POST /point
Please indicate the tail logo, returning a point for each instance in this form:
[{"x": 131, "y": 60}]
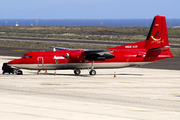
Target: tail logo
[{"x": 157, "y": 36}]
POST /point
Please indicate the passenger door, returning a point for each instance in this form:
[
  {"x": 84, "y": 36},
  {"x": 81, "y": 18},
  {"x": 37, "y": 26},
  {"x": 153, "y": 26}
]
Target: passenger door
[{"x": 40, "y": 61}]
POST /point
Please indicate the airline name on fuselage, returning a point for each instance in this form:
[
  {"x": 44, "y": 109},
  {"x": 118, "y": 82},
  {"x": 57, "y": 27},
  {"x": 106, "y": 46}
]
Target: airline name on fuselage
[{"x": 58, "y": 57}]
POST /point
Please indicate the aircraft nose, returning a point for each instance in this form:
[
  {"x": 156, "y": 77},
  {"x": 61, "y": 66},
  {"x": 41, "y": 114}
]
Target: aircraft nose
[{"x": 14, "y": 62}]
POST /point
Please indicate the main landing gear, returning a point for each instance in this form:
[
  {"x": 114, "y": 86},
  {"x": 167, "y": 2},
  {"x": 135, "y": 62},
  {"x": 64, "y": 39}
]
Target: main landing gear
[
  {"x": 91, "y": 72},
  {"x": 78, "y": 72}
]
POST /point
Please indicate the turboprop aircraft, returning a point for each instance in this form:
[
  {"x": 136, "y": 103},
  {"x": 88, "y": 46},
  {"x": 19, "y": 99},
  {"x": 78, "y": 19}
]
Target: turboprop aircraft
[{"x": 154, "y": 48}]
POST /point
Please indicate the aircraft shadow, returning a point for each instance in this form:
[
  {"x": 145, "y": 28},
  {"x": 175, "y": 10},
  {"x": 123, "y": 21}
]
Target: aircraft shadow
[
  {"x": 131, "y": 74},
  {"x": 123, "y": 74},
  {"x": 65, "y": 74},
  {"x": 87, "y": 75}
]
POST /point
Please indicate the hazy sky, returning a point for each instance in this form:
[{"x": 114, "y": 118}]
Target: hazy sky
[{"x": 88, "y": 9}]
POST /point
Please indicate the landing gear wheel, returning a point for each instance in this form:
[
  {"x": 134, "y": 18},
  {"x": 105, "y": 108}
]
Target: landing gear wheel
[
  {"x": 92, "y": 72},
  {"x": 77, "y": 71},
  {"x": 19, "y": 72}
]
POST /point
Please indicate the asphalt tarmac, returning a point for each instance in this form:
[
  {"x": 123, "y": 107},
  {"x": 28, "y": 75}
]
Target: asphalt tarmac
[
  {"x": 170, "y": 63},
  {"x": 134, "y": 94}
]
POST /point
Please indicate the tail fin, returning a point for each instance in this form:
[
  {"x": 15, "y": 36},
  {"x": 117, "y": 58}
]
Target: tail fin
[
  {"x": 158, "y": 36},
  {"x": 157, "y": 42}
]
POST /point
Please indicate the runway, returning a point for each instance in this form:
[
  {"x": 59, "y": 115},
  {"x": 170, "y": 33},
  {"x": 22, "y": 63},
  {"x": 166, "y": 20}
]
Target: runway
[
  {"x": 134, "y": 94},
  {"x": 92, "y": 42}
]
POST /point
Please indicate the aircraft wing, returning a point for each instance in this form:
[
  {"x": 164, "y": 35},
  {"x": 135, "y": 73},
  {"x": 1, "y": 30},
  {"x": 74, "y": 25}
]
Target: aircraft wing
[
  {"x": 91, "y": 54},
  {"x": 85, "y": 50},
  {"x": 62, "y": 48},
  {"x": 58, "y": 48}
]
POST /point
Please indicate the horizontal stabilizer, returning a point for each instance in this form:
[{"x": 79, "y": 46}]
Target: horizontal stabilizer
[{"x": 160, "y": 48}]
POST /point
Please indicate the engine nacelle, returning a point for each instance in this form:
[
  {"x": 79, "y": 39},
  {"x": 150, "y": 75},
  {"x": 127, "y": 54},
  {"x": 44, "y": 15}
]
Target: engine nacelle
[{"x": 73, "y": 55}]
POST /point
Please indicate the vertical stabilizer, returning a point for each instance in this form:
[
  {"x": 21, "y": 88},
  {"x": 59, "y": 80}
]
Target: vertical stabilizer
[{"x": 158, "y": 36}]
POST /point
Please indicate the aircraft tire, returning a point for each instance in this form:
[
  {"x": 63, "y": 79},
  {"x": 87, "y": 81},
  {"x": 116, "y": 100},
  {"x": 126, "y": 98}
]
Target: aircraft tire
[
  {"x": 19, "y": 72},
  {"x": 92, "y": 72},
  {"x": 77, "y": 71}
]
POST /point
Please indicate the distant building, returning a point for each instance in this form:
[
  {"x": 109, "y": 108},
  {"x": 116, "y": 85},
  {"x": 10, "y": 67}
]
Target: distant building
[{"x": 17, "y": 24}]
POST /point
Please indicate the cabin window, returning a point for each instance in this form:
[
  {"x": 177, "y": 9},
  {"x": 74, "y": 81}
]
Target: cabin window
[{"x": 30, "y": 56}]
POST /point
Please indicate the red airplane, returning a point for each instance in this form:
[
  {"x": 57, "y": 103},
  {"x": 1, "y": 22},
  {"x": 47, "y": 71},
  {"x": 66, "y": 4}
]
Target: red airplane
[{"x": 154, "y": 48}]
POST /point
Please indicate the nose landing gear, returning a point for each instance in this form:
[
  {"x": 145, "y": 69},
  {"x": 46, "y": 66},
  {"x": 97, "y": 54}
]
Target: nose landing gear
[{"x": 18, "y": 72}]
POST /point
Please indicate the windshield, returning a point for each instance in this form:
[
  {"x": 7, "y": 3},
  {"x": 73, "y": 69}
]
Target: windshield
[{"x": 25, "y": 56}]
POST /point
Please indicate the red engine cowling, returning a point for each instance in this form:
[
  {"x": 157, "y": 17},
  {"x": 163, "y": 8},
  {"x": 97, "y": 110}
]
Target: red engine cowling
[{"x": 74, "y": 55}]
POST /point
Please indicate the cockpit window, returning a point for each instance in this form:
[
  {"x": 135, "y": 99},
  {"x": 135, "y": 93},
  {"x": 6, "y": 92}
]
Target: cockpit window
[{"x": 25, "y": 56}]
